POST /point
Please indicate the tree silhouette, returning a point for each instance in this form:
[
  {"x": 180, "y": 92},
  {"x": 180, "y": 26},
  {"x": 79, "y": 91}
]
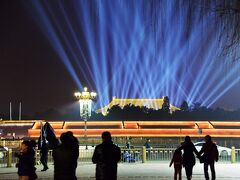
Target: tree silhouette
[
  {"x": 184, "y": 107},
  {"x": 166, "y": 104},
  {"x": 227, "y": 14},
  {"x": 135, "y": 113}
]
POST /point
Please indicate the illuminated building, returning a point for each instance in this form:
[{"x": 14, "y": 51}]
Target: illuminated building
[
  {"x": 149, "y": 103},
  {"x": 145, "y": 128},
  {"x": 138, "y": 129}
]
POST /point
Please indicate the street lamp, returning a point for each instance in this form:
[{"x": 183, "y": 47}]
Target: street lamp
[{"x": 85, "y": 99}]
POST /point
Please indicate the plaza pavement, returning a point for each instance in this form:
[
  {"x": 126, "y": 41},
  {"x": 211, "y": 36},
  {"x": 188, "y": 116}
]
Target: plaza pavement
[{"x": 135, "y": 171}]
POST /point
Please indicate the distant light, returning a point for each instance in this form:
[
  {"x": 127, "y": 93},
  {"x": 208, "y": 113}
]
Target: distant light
[
  {"x": 13, "y": 124},
  {"x": 77, "y": 94},
  {"x": 93, "y": 94}
]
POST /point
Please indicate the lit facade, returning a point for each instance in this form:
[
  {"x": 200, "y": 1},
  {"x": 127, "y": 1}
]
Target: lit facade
[
  {"x": 145, "y": 128},
  {"x": 226, "y": 129},
  {"x": 149, "y": 103}
]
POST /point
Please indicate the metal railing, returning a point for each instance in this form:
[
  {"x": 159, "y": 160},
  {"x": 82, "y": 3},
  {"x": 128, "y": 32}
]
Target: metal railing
[
  {"x": 237, "y": 153},
  {"x": 8, "y": 158},
  {"x": 159, "y": 154},
  {"x": 3, "y": 159}
]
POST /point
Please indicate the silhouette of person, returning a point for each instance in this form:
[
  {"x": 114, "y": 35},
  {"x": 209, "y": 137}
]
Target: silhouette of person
[
  {"x": 65, "y": 158},
  {"x": 43, "y": 146},
  {"x": 33, "y": 144},
  {"x": 128, "y": 145},
  {"x": 75, "y": 147},
  {"x": 106, "y": 156},
  {"x": 26, "y": 162},
  {"x": 210, "y": 151},
  {"x": 188, "y": 156},
  {"x": 126, "y": 156},
  {"x": 177, "y": 160},
  {"x": 147, "y": 144}
]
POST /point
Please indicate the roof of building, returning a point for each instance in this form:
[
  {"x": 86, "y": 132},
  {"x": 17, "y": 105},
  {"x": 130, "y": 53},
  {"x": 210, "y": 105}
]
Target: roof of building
[{"x": 149, "y": 103}]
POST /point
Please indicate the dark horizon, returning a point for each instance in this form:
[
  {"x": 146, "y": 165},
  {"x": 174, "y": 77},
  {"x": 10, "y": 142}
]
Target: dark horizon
[{"x": 30, "y": 71}]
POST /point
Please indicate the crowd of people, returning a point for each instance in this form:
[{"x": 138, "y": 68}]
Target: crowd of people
[{"x": 106, "y": 156}]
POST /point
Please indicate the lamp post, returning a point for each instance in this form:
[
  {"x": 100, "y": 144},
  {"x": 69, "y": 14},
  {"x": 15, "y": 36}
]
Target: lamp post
[{"x": 85, "y": 99}]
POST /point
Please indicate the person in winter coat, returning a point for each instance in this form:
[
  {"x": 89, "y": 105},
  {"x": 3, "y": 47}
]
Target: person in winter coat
[
  {"x": 210, "y": 154},
  {"x": 75, "y": 147},
  {"x": 177, "y": 160},
  {"x": 106, "y": 156},
  {"x": 188, "y": 156},
  {"x": 65, "y": 157},
  {"x": 26, "y": 162},
  {"x": 43, "y": 146}
]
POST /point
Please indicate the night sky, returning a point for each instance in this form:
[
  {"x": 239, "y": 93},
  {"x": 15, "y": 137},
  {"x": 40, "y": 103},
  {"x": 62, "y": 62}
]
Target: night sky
[{"x": 30, "y": 70}]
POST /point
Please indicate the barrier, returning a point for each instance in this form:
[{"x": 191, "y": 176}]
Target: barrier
[
  {"x": 144, "y": 154},
  {"x": 233, "y": 155},
  {"x": 127, "y": 155},
  {"x": 237, "y": 153},
  {"x": 9, "y": 158}
]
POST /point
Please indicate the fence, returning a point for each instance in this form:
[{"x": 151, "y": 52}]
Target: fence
[
  {"x": 11, "y": 143},
  {"x": 237, "y": 153},
  {"x": 140, "y": 155}
]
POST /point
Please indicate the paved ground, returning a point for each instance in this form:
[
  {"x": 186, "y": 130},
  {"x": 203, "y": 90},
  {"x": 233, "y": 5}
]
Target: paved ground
[{"x": 135, "y": 171}]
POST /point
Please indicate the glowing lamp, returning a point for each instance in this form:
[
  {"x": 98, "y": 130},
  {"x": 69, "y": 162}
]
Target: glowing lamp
[{"x": 85, "y": 99}]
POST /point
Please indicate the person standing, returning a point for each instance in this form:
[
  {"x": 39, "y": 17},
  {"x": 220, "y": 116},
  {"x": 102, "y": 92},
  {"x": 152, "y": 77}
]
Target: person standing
[
  {"x": 147, "y": 144},
  {"x": 26, "y": 162},
  {"x": 210, "y": 153},
  {"x": 106, "y": 156},
  {"x": 128, "y": 144},
  {"x": 177, "y": 160},
  {"x": 73, "y": 142},
  {"x": 65, "y": 158},
  {"x": 188, "y": 156},
  {"x": 44, "y": 153}
]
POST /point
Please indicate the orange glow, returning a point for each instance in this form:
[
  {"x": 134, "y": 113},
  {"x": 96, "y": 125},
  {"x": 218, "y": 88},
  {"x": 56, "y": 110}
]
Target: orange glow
[
  {"x": 220, "y": 123},
  {"x": 138, "y": 128},
  {"x": 166, "y": 123},
  {"x": 55, "y": 125},
  {"x": 130, "y": 125},
  {"x": 93, "y": 123},
  {"x": 203, "y": 125}
]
